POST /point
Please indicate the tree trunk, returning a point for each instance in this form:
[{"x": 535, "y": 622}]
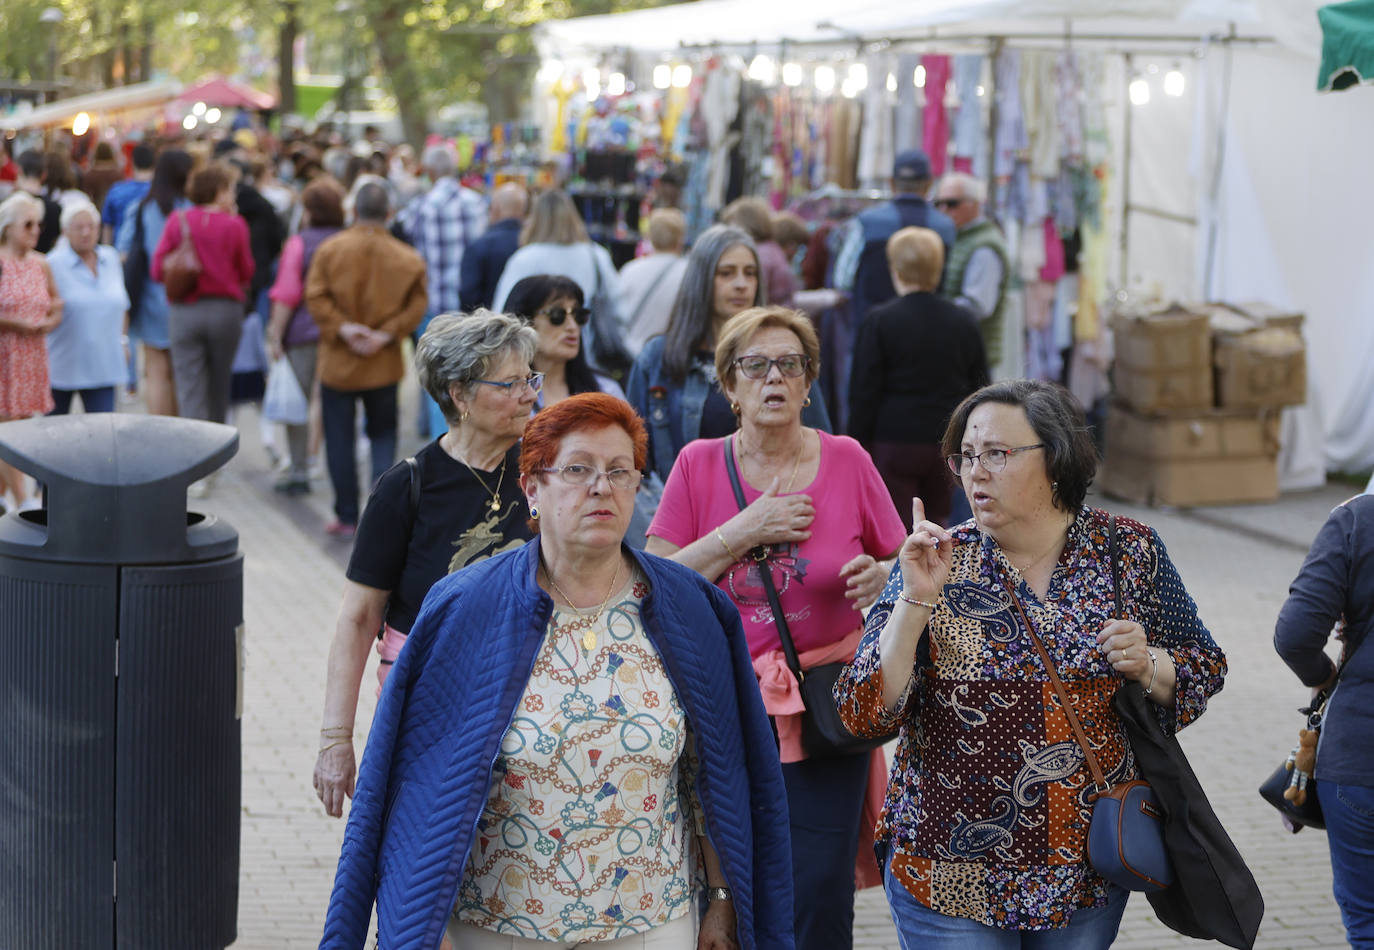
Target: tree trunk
[
  {"x": 126, "y": 58},
  {"x": 145, "y": 52},
  {"x": 286, "y": 58},
  {"x": 392, "y": 36}
]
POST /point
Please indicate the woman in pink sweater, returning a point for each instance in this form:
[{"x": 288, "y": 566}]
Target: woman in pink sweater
[{"x": 205, "y": 326}]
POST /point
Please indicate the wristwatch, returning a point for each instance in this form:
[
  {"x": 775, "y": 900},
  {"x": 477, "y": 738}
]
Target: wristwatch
[{"x": 718, "y": 894}]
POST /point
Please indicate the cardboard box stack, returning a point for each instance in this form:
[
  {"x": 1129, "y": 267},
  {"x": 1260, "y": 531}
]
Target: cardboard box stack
[{"x": 1195, "y": 413}]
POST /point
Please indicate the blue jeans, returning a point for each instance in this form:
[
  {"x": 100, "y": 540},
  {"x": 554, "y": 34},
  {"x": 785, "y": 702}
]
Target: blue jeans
[
  {"x": 825, "y": 799},
  {"x": 1349, "y": 811},
  {"x": 100, "y": 399},
  {"x": 339, "y": 412},
  {"x": 920, "y": 928}
]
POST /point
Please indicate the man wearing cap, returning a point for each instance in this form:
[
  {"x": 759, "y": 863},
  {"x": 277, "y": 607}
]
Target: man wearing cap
[
  {"x": 861, "y": 266},
  {"x": 976, "y": 271}
]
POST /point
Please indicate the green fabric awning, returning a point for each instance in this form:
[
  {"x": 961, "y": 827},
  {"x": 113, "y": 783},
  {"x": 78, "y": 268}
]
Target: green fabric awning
[{"x": 1347, "y": 44}]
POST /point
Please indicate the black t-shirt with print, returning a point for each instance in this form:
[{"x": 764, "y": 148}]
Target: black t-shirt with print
[{"x": 454, "y": 526}]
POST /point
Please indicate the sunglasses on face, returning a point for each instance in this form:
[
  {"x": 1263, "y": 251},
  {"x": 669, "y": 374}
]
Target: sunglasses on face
[
  {"x": 557, "y": 315},
  {"x": 944, "y": 204}
]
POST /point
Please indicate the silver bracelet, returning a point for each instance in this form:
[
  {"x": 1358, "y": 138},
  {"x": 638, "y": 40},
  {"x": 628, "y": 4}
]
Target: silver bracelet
[{"x": 1154, "y": 670}]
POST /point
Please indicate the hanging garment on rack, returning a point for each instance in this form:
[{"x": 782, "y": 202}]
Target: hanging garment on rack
[
  {"x": 906, "y": 132},
  {"x": 1043, "y": 360},
  {"x": 876, "y": 153},
  {"x": 970, "y": 136},
  {"x": 1011, "y": 129},
  {"x": 718, "y": 107},
  {"x": 1096, "y": 144},
  {"x": 1069, "y": 106},
  {"x": 1038, "y": 89},
  {"x": 935, "y": 134}
]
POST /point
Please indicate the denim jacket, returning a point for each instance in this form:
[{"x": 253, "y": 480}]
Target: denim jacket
[{"x": 672, "y": 412}]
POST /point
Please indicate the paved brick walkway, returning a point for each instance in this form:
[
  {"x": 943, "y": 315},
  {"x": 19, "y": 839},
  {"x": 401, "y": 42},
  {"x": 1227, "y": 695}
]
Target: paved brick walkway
[{"x": 1236, "y": 562}]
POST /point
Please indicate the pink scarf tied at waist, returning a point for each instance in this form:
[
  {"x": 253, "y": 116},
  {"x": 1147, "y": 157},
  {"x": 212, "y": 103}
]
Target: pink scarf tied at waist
[{"x": 782, "y": 700}]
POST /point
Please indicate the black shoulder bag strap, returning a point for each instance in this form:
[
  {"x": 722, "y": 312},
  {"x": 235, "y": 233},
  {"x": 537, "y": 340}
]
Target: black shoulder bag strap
[{"x": 760, "y": 554}]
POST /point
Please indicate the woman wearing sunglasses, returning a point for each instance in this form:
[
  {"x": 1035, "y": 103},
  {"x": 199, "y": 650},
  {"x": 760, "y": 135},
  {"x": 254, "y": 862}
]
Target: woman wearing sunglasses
[
  {"x": 820, "y": 521},
  {"x": 30, "y": 308},
  {"x": 554, "y": 307}
]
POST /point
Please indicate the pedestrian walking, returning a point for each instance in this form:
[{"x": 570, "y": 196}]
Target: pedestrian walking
[{"x": 365, "y": 292}]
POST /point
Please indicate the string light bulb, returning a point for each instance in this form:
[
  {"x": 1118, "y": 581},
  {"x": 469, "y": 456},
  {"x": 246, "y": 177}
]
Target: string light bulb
[
  {"x": 825, "y": 79},
  {"x": 1139, "y": 91},
  {"x": 663, "y": 76},
  {"x": 1174, "y": 82},
  {"x": 792, "y": 74}
]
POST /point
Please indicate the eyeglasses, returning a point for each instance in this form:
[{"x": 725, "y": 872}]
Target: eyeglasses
[
  {"x": 945, "y": 204},
  {"x": 30, "y": 225},
  {"x": 992, "y": 460},
  {"x": 584, "y": 476},
  {"x": 758, "y": 367},
  {"x": 533, "y": 382},
  {"x": 557, "y": 315}
]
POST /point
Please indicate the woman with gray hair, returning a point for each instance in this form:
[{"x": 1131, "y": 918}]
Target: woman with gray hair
[
  {"x": 673, "y": 383},
  {"x": 30, "y": 308},
  {"x": 88, "y": 352},
  {"x": 456, "y": 502}
]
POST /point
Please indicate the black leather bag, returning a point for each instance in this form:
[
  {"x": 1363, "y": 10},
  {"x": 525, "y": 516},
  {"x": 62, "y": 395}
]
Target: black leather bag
[
  {"x": 136, "y": 264},
  {"x": 823, "y": 732}
]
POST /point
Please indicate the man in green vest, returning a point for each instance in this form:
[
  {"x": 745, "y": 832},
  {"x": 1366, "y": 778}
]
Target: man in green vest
[{"x": 978, "y": 269}]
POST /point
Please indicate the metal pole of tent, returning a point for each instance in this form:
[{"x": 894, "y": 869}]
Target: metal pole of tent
[{"x": 1124, "y": 269}]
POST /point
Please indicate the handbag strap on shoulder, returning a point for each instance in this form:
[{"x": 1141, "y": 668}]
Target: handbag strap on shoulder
[
  {"x": 760, "y": 554},
  {"x": 1094, "y": 767}
]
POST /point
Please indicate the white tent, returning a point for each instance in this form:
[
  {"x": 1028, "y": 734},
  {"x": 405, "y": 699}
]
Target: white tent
[
  {"x": 99, "y": 105},
  {"x": 1267, "y": 201}
]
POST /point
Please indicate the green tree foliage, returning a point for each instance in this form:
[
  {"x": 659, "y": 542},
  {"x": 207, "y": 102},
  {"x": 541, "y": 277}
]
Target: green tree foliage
[{"x": 426, "y": 52}]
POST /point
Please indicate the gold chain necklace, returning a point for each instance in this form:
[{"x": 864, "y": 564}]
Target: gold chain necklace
[
  {"x": 796, "y": 463},
  {"x": 588, "y": 623},
  {"x": 495, "y": 503}
]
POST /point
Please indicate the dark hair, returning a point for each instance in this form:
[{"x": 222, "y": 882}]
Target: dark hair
[
  {"x": 30, "y": 162},
  {"x": 689, "y": 327},
  {"x": 104, "y": 153},
  {"x": 61, "y": 175},
  {"x": 371, "y": 202},
  {"x": 143, "y": 156},
  {"x": 323, "y": 200},
  {"x": 207, "y": 182},
  {"x": 169, "y": 179},
  {"x": 1058, "y": 421},
  {"x": 532, "y": 294}
]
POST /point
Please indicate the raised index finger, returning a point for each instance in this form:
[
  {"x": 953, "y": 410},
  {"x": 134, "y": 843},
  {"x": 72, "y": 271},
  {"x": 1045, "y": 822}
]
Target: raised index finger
[{"x": 918, "y": 512}]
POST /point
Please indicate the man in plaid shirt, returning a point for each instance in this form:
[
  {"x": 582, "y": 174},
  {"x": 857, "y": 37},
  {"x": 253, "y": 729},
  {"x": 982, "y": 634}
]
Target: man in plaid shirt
[{"x": 442, "y": 224}]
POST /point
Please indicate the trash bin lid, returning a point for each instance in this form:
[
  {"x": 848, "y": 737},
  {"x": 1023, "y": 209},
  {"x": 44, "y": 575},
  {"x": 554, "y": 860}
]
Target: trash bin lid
[{"x": 116, "y": 487}]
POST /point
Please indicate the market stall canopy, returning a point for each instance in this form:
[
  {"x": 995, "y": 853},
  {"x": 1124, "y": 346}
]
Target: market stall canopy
[
  {"x": 744, "y": 24},
  {"x": 1347, "y": 45},
  {"x": 225, "y": 93},
  {"x": 143, "y": 95}
]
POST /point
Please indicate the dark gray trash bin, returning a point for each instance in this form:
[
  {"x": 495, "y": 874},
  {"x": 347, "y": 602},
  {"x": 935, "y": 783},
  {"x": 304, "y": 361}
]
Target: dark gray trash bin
[{"x": 120, "y": 685}]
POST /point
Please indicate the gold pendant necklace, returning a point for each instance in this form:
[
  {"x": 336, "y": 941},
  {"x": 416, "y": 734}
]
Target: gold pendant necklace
[
  {"x": 588, "y": 623},
  {"x": 495, "y": 503}
]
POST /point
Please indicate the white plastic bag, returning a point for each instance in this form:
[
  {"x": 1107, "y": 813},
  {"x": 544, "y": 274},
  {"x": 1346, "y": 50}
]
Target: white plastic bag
[{"x": 284, "y": 400}]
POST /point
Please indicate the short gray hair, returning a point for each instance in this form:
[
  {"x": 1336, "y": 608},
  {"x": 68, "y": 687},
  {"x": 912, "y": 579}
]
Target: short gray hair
[
  {"x": 439, "y": 161},
  {"x": 15, "y": 205},
  {"x": 969, "y": 187},
  {"x": 371, "y": 202},
  {"x": 75, "y": 206},
  {"x": 458, "y": 348}
]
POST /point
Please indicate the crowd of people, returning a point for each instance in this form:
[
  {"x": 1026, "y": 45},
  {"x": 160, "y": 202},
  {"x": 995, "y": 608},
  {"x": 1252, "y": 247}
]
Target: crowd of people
[{"x": 636, "y": 514}]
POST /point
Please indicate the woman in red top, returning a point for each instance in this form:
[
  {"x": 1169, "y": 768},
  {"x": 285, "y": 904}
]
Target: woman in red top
[
  {"x": 204, "y": 328},
  {"x": 29, "y": 309}
]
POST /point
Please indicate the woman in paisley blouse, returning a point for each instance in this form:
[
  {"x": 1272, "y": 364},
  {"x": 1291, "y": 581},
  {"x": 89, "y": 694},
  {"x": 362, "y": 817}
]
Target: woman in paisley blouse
[
  {"x": 571, "y": 749},
  {"x": 983, "y": 833}
]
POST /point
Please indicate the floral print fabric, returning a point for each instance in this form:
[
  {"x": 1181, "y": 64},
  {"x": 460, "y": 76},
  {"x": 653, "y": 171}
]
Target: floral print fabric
[
  {"x": 987, "y": 810},
  {"x": 584, "y": 836}
]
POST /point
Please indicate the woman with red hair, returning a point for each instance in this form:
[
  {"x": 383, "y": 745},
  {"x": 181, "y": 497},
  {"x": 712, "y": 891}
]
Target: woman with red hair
[{"x": 572, "y": 739}]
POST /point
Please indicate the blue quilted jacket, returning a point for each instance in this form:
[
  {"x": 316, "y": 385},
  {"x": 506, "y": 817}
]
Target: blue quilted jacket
[{"x": 426, "y": 772}]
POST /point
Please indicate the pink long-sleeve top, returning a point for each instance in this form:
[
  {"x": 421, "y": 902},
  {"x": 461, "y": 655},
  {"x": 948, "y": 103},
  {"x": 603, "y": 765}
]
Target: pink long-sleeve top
[{"x": 221, "y": 243}]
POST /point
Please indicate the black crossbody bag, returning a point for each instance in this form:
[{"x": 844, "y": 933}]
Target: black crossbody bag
[{"x": 823, "y": 733}]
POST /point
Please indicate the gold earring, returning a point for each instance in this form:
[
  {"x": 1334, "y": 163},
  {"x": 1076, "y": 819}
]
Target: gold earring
[
  {"x": 734, "y": 407},
  {"x": 463, "y": 416},
  {"x": 534, "y": 512},
  {"x": 806, "y": 402}
]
